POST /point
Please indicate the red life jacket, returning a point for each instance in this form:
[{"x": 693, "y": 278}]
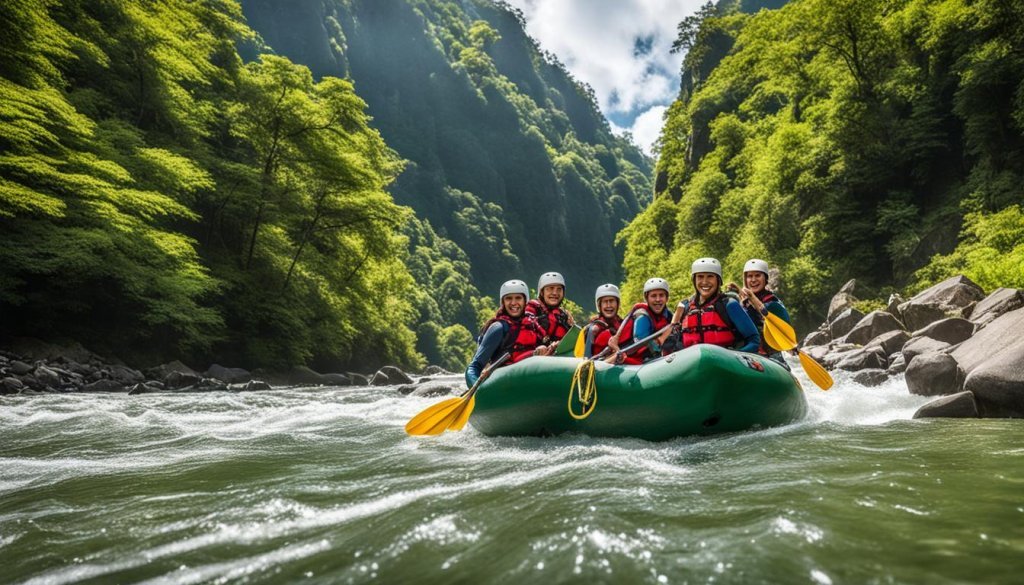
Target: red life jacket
[
  {"x": 640, "y": 355},
  {"x": 554, "y": 322},
  {"x": 708, "y": 323},
  {"x": 766, "y": 296},
  {"x": 522, "y": 337},
  {"x": 600, "y": 330}
]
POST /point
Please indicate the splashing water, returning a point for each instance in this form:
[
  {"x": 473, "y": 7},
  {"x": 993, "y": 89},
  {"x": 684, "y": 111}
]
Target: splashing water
[{"x": 323, "y": 485}]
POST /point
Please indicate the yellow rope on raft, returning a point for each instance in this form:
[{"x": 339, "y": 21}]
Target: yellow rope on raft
[{"x": 585, "y": 387}]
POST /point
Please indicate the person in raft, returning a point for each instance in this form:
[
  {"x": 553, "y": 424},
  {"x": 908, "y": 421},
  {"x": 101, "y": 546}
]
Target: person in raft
[
  {"x": 759, "y": 301},
  {"x": 547, "y": 310},
  {"x": 643, "y": 319},
  {"x": 711, "y": 316},
  {"x": 606, "y": 323},
  {"x": 510, "y": 330}
]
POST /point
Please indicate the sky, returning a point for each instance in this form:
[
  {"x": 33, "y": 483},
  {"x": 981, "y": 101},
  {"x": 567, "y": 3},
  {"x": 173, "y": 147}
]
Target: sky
[{"x": 621, "y": 49}]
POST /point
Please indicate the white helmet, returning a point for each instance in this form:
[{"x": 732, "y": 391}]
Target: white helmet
[
  {"x": 549, "y": 278},
  {"x": 755, "y": 265},
  {"x": 706, "y": 265},
  {"x": 606, "y": 290},
  {"x": 512, "y": 287},
  {"x": 655, "y": 284}
]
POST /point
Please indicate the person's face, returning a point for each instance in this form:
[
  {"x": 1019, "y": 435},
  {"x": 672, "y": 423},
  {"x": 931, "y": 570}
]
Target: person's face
[
  {"x": 608, "y": 306},
  {"x": 552, "y": 294},
  {"x": 707, "y": 283},
  {"x": 514, "y": 304},
  {"x": 657, "y": 299},
  {"x": 755, "y": 280}
]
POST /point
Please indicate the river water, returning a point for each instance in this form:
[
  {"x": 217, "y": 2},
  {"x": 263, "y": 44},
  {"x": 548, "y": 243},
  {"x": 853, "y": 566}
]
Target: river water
[{"x": 323, "y": 486}]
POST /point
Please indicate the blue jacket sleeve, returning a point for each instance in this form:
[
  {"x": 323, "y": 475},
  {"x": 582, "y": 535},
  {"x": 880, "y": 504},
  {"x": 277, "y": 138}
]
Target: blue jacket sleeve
[
  {"x": 642, "y": 327},
  {"x": 777, "y": 308},
  {"x": 489, "y": 344},
  {"x": 746, "y": 328}
]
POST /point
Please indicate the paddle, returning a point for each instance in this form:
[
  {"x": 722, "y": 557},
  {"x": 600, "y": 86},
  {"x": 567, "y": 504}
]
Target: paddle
[
  {"x": 781, "y": 336},
  {"x": 435, "y": 419},
  {"x": 568, "y": 343}
]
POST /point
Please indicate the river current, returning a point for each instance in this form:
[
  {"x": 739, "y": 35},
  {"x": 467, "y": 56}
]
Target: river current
[{"x": 322, "y": 485}]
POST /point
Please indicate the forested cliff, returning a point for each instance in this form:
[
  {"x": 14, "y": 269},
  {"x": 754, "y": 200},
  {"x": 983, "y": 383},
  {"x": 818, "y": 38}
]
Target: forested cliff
[
  {"x": 172, "y": 185},
  {"x": 863, "y": 138}
]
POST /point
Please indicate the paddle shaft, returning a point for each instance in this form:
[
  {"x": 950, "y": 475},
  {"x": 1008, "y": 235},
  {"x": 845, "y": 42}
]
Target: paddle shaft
[{"x": 634, "y": 345}]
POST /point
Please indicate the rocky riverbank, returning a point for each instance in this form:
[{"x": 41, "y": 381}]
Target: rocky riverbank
[
  {"x": 951, "y": 341},
  {"x": 31, "y": 366}
]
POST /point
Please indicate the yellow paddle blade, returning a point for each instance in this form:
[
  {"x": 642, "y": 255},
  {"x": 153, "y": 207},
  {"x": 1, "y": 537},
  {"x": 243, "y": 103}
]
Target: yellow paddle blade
[
  {"x": 426, "y": 420},
  {"x": 781, "y": 331},
  {"x": 460, "y": 422},
  {"x": 815, "y": 372},
  {"x": 769, "y": 338},
  {"x": 581, "y": 344}
]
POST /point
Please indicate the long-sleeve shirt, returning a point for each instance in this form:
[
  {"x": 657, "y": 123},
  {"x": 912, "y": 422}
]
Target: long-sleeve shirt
[
  {"x": 744, "y": 326},
  {"x": 490, "y": 343}
]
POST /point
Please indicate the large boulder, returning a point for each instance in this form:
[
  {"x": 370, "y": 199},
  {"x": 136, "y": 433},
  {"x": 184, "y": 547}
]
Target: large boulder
[
  {"x": 380, "y": 379},
  {"x": 871, "y": 326},
  {"x": 893, "y": 306},
  {"x": 890, "y": 341},
  {"x": 842, "y": 300},
  {"x": 228, "y": 375},
  {"x": 816, "y": 338},
  {"x": 336, "y": 380},
  {"x": 160, "y": 372},
  {"x": 395, "y": 375},
  {"x": 174, "y": 379},
  {"x": 357, "y": 379},
  {"x": 934, "y": 374},
  {"x": 439, "y": 371},
  {"x": 949, "y": 298},
  {"x": 922, "y": 345},
  {"x": 870, "y": 377},
  {"x": 10, "y": 385},
  {"x": 47, "y": 377},
  {"x": 832, "y": 358},
  {"x": 1002, "y": 300},
  {"x": 433, "y": 389},
  {"x": 998, "y": 385},
  {"x": 844, "y": 322},
  {"x": 897, "y": 364},
  {"x": 863, "y": 359},
  {"x": 19, "y": 368},
  {"x": 300, "y": 375},
  {"x": 952, "y": 330},
  {"x": 959, "y": 405},
  {"x": 997, "y": 341}
]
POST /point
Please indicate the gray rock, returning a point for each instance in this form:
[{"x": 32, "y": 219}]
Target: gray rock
[
  {"x": 934, "y": 374},
  {"x": 959, "y": 405},
  {"x": 104, "y": 385},
  {"x": 407, "y": 388},
  {"x": 250, "y": 386},
  {"x": 863, "y": 359},
  {"x": 839, "y": 303},
  {"x": 871, "y": 326},
  {"x": 947, "y": 299},
  {"x": 160, "y": 372},
  {"x": 921, "y": 345},
  {"x": 47, "y": 377},
  {"x": 10, "y": 385},
  {"x": 125, "y": 375},
  {"x": 146, "y": 388},
  {"x": 1002, "y": 300},
  {"x": 358, "y": 379},
  {"x": 228, "y": 375},
  {"x": 336, "y": 380},
  {"x": 381, "y": 379},
  {"x": 815, "y": 338},
  {"x": 893, "y": 306},
  {"x": 870, "y": 377},
  {"x": 19, "y": 368},
  {"x": 433, "y": 389},
  {"x": 396, "y": 375},
  {"x": 438, "y": 370},
  {"x": 831, "y": 359},
  {"x": 205, "y": 385},
  {"x": 897, "y": 364},
  {"x": 844, "y": 322},
  {"x": 818, "y": 352},
  {"x": 304, "y": 375},
  {"x": 175, "y": 380},
  {"x": 998, "y": 385},
  {"x": 952, "y": 330},
  {"x": 890, "y": 342},
  {"x": 998, "y": 341},
  {"x": 850, "y": 287}
]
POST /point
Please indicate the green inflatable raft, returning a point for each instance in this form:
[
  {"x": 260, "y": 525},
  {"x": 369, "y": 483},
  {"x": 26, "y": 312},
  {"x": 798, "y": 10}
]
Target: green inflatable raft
[{"x": 701, "y": 390}]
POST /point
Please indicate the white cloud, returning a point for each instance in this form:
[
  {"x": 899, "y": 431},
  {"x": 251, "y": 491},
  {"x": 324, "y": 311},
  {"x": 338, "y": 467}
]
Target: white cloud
[
  {"x": 618, "y": 47},
  {"x": 647, "y": 127}
]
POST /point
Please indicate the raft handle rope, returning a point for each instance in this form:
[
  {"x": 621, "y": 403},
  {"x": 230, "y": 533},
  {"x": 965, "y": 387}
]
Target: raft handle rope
[{"x": 585, "y": 387}]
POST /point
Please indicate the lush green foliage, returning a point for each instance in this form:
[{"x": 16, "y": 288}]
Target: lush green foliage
[
  {"x": 160, "y": 197},
  {"x": 510, "y": 158},
  {"x": 842, "y": 139}
]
